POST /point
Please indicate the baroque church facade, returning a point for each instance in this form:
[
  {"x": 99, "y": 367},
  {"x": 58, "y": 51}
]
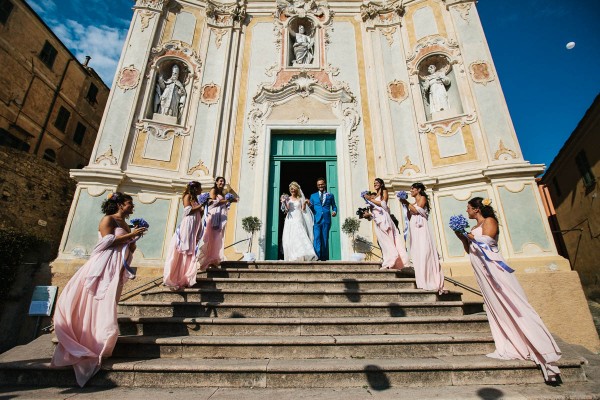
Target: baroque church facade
[{"x": 265, "y": 92}]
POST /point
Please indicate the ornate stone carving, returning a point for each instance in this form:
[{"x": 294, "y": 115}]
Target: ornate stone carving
[
  {"x": 303, "y": 119},
  {"x": 272, "y": 70},
  {"x": 210, "y": 94},
  {"x": 160, "y": 131},
  {"x": 480, "y": 72},
  {"x": 128, "y": 78},
  {"x": 351, "y": 121},
  {"x": 503, "y": 153},
  {"x": 145, "y": 17},
  {"x": 331, "y": 70},
  {"x": 302, "y": 8},
  {"x": 255, "y": 123},
  {"x": 448, "y": 127},
  {"x": 226, "y": 14},
  {"x": 463, "y": 9},
  {"x": 429, "y": 46},
  {"x": 106, "y": 156},
  {"x": 156, "y": 5},
  {"x": 397, "y": 91},
  {"x": 219, "y": 33},
  {"x": 179, "y": 49},
  {"x": 389, "y": 34},
  {"x": 378, "y": 9},
  {"x": 409, "y": 166},
  {"x": 199, "y": 167}
]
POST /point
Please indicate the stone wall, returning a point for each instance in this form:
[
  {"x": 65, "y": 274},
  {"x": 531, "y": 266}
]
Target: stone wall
[{"x": 35, "y": 196}]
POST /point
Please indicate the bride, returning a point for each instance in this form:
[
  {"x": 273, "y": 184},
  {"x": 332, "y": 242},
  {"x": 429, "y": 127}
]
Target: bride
[{"x": 297, "y": 236}]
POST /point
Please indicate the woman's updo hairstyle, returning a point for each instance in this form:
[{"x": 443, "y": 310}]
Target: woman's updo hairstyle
[
  {"x": 110, "y": 206},
  {"x": 484, "y": 207},
  {"x": 194, "y": 188},
  {"x": 422, "y": 191}
]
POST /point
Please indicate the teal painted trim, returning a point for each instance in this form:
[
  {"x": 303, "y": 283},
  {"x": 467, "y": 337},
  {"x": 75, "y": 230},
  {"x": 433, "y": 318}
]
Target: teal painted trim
[
  {"x": 272, "y": 233},
  {"x": 335, "y": 252}
]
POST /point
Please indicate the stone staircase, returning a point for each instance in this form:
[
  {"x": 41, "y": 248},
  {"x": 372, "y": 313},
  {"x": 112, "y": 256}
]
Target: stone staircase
[{"x": 298, "y": 325}]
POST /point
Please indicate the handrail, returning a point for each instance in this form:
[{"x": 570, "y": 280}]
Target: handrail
[
  {"x": 371, "y": 245},
  {"x": 462, "y": 285}
]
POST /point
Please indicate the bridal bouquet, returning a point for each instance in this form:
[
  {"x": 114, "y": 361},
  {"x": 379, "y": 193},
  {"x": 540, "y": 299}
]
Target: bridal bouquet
[
  {"x": 229, "y": 197},
  {"x": 402, "y": 195},
  {"x": 139, "y": 223},
  {"x": 203, "y": 198},
  {"x": 458, "y": 223},
  {"x": 284, "y": 198}
]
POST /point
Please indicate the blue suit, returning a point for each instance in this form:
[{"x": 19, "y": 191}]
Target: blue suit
[{"x": 322, "y": 211}]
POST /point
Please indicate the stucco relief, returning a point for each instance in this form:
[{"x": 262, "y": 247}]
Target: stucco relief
[
  {"x": 503, "y": 153},
  {"x": 463, "y": 10},
  {"x": 106, "y": 158},
  {"x": 226, "y": 14},
  {"x": 351, "y": 121},
  {"x": 409, "y": 169},
  {"x": 219, "y": 33},
  {"x": 433, "y": 45},
  {"x": 388, "y": 32},
  {"x": 481, "y": 72},
  {"x": 448, "y": 127},
  {"x": 160, "y": 131},
  {"x": 397, "y": 91},
  {"x": 385, "y": 11},
  {"x": 156, "y": 5},
  {"x": 199, "y": 167},
  {"x": 145, "y": 17},
  {"x": 302, "y": 8},
  {"x": 128, "y": 78},
  {"x": 303, "y": 119},
  {"x": 210, "y": 94}
]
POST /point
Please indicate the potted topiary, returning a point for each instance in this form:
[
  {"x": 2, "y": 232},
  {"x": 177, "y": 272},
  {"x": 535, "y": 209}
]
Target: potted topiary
[
  {"x": 250, "y": 225},
  {"x": 350, "y": 227}
]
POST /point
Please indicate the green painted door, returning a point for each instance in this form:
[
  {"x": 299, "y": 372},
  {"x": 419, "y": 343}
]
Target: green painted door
[{"x": 296, "y": 149}]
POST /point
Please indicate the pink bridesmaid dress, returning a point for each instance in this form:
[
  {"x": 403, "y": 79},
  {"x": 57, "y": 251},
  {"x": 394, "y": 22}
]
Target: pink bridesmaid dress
[
  {"x": 393, "y": 247},
  {"x": 213, "y": 238},
  {"x": 428, "y": 271},
  {"x": 180, "y": 265},
  {"x": 518, "y": 330},
  {"x": 85, "y": 320}
]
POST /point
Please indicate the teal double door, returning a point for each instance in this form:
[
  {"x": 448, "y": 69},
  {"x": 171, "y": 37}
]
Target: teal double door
[{"x": 302, "y": 158}]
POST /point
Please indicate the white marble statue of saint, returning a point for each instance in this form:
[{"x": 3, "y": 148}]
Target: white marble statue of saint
[
  {"x": 434, "y": 86},
  {"x": 170, "y": 94},
  {"x": 303, "y": 46}
]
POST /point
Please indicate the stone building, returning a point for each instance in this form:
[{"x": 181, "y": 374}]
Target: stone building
[
  {"x": 263, "y": 92},
  {"x": 572, "y": 181},
  {"x": 51, "y": 103}
]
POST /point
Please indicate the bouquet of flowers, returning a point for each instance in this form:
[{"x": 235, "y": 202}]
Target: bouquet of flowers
[
  {"x": 364, "y": 193},
  {"x": 203, "y": 198},
  {"x": 458, "y": 223},
  {"x": 139, "y": 223},
  {"x": 402, "y": 195},
  {"x": 229, "y": 197},
  {"x": 284, "y": 198}
]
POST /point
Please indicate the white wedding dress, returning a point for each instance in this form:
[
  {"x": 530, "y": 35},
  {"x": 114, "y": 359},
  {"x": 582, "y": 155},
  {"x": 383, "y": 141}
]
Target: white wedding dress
[{"x": 297, "y": 238}]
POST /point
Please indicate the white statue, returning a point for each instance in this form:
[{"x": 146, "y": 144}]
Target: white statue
[
  {"x": 170, "y": 95},
  {"x": 303, "y": 47},
  {"x": 434, "y": 86}
]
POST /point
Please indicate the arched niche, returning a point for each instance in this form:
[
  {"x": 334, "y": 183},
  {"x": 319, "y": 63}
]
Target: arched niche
[
  {"x": 169, "y": 92},
  {"x": 303, "y": 49},
  {"x": 441, "y": 97}
]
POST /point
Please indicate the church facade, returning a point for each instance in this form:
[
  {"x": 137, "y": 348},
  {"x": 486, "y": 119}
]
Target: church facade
[{"x": 265, "y": 92}]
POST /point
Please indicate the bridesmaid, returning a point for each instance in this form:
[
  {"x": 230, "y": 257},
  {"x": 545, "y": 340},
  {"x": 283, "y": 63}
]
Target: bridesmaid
[
  {"x": 212, "y": 247},
  {"x": 428, "y": 271},
  {"x": 180, "y": 265},
  {"x": 518, "y": 330},
  {"x": 393, "y": 247},
  {"x": 85, "y": 320}
]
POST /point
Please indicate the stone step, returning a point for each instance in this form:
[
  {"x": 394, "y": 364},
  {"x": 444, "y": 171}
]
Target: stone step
[
  {"x": 300, "y": 326},
  {"x": 304, "y": 347},
  {"x": 306, "y": 284},
  {"x": 289, "y": 265},
  {"x": 289, "y": 310},
  {"x": 303, "y": 273},
  {"x": 155, "y": 326},
  {"x": 307, "y": 296},
  {"x": 322, "y": 373}
]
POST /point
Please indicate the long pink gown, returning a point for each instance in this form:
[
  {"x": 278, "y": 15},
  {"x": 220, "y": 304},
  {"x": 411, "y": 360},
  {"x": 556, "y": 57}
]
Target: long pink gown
[
  {"x": 180, "y": 265},
  {"x": 518, "y": 330},
  {"x": 213, "y": 239},
  {"x": 85, "y": 320},
  {"x": 428, "y": 271},
  {"x": 393, "y": 247}
]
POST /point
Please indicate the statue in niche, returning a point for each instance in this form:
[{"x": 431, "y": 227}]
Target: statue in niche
[
  {"x": 303, "y": 47},
  {"x": 169, "y": 95},
  {"x": 434, "y": 86}
]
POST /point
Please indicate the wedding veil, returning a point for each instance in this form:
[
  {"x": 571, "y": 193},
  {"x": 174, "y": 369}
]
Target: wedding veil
[{"x": 307, "y": 215}]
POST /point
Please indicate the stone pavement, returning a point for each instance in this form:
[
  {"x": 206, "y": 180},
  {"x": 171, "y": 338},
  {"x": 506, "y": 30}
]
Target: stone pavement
[{"x": 568, "y": 391}]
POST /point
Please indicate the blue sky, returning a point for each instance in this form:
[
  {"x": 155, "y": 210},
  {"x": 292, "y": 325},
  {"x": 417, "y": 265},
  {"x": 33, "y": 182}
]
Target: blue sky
[{"x": 547, "y": 87}]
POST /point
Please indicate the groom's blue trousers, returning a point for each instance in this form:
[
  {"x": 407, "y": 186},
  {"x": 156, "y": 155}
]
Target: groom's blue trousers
[{"x": 320, "y": 240}]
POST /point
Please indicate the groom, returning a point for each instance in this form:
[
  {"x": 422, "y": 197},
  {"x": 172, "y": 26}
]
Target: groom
[{"x": 322, "y": 204}]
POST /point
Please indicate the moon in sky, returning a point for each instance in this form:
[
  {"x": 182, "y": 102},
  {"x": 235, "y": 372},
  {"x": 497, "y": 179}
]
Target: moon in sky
[{"x": 570, "y": 45}]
